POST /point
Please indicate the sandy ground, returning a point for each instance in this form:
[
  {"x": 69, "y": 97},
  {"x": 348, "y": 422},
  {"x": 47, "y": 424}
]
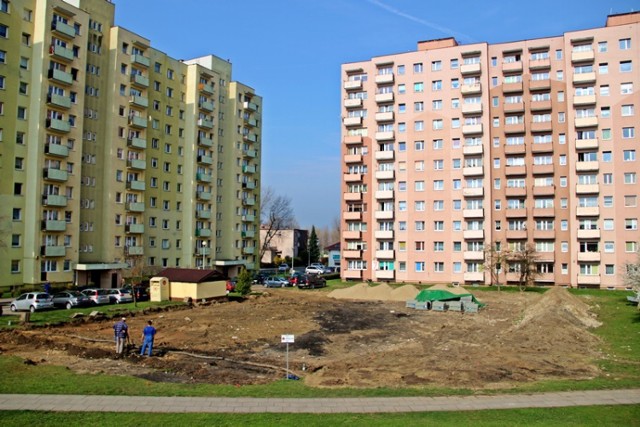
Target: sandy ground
[{"x": 359, "y": 337}]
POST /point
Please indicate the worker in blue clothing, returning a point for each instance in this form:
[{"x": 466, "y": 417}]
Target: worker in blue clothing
[
  {"x": 121, "y": 332},
  {"x": 148, "y": 334}
]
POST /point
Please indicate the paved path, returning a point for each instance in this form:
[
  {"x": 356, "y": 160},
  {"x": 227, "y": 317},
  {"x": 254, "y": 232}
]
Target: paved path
[{"x": 75, "y": 403}]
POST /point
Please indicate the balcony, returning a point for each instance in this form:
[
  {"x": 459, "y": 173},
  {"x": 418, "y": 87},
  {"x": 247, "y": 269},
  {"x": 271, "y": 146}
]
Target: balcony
[
  {"x": 352, "y": 235},
  {"x": 205, "y": 123},
  {"x": 250, "y": 137},
  {"x": 588, "y": 211},
  {"x": 542, "y": 147},
  {"x": 588, "y": 234},
  {"x": 384, "y": 78},
  {"x": 385, "y": 274},
  {"x": 203, "y": 251},
  {"x": 53, "y": 251},
  {"x": 137, "y": 164},
  {"x": 384, "y": 194},
  {"x": 352, "y": 197},
  {"x": 52, "y": 174},
  {"x": 583, "y": 56},
  {"x": 353, "y": 103},
  {"x": 207, "y": 160},
  {"x": 584, "y": 100},
  {"x": 589, "y": 256},
  {"x": 473, "y": 255},
  {"x": 203, "y": 177},
  {"x": 206, "y": 88},
  {"x": 58, "y": 125},
  {"x": 382, "y": 175},
  {"x": 353, "y": 158},
  {"x": 249, "y": 201},
  {"x": 540, "y": 105},
  {"x": 203, "y": 195},
  {"x": 472, "y": 129},
  {"x": 514, "y": 107},
  {"x": 385, "y": 136},
  {"x": 206, "y": 106},
  {"x": 139, "y": 101},
  {"x": 516, "y": 213},
  {"x": 383, "y": 234},
  {"x": 251, "y": 122},
  {"x": 60, "y": 77},
  {"x": 352, "y": 177},
  {"x": 351, "y": 254},
  {"x": 471, "y": 89},
  {"x": 542, "y": 169},
  {"x": 587, "y": 188},
  {"x": 535, "y": 85},
  {"x": 385, "y": 254},
  {"x": 352, "y": 121},
  {"x": 140, "y": 60},
  {"x": 515, "y": 148},
  {"x": 588, "y": 279},
  {"x": 473, "y": 213},
  {"x": 138, "y": 122},
  {"x": 544, "y": 212},
  {"x": 468, "y": 69},
  {"x": 139, "y": 80},
  {"x": 205, "y": 142},
  {"x": 472, "y": 171},
  {"x": 134, "y": 228},
  {"x": 61, "y": 53},
  {"x": 384, "y": 97},
  {"x": 352, "y": 216},
  {"x": 475, "y": 108},
  {"x": 139, "y": 143},
  {"x": 135, "y": 206},
  {"x": 250, "y": 106},
  {"x": 353, "y": 139},
  {"x": 53, "y": 225},
  {"x": 248, "y": 234},
  {"x": 586, "y": 122},
  {"x": 385, "y": 155},
  {"x": 473, "y": 192},
  {"x": 473, "y": 277},
  {"x": 544, "y": 234},
  {"x": 584, "y": 78},
  {"x": 586, "y": 144},
  {"x": 134, "y": 250},
  {"x": 469, "y": 150},
  {"x": 60, "y": 101},
  {"x": 512, "y": 87},
  {"x": 352, "y": 85},
  {"x": 516, "y": 234},
  {"x": 515, "y": 191},
  {"x": 56, "y": 150},
  {"x": 587, "y": 166},
  {"x": 473, "y": 234},
  {"x": 203, "y": 232},
  {"x": 540, "y": 64},
  {"x": 510, "y": 128},
  {"x": 249, "y": 185},
  {"x": 249, "y": 169},
  {"x": 385, "y": 117},
  {"x": 203, "y": 214},
  {"x": 515, "y": 170},
  {"x": 352, "y": 274},
  {"x": 383, "y": 215},
  {"x": 63, "y": 29},
  {"x": 512, "y": 67},
  {"x": 54, "y": 200},
  {"x": 136, "y": 185}
]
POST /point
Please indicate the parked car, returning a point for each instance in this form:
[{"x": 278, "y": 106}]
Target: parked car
[
  {"x": 275, "y": 282},
  {"x": 97, "y": 296},
  {"x": 119, "y": 296},
  {"x": 140, "y": 292},
  {"x": 314, "y": 269},
  {"x": 297, "y": 279},
  {"x": 32, "y": 301},
  {"x": 231, "y": 284},
  {"x": 259, "y": 278},
  {"x": 313, "y": 281},
  {"x": 283, "y": 267},
  {"x": 70, "y": 299}
]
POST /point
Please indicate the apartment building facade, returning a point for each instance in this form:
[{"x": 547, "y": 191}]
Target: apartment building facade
[
  {"x": 116, "y": 158},
  {"x": 452, "y": 148}
]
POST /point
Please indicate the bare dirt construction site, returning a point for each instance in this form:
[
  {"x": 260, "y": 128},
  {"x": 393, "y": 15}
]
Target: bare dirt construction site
[{"x": 355, "y": 337}]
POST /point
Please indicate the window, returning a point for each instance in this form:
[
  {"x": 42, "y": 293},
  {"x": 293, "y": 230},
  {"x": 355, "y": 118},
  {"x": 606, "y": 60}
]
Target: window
[
  {"x": 26, "y": 39},
  {"x": 624, "y": 44},
  {"x": 4, "y": 31},
  {"x": 625, "y": 66},
  {"x": 419, "y": 265},
  {"x": 627, "y": 110},
  {"x": 418, "y": 68},
  {"x": 437, "y": 124},
  {"x": 418, "y": 87},
  {"x": 438, "y": 225},
  {"x": 604, "y": 90},
  {"x": 626, "y": 88},
  {"x": 602, "y": 47},
  {"x": 436, "y": 85},
  {"x": 438, "y": 184},
  {"x": 630, "y": 178},
  {"x": 628, "y": 132},
  {"x": 603, "y": 68},
  {"x": 629, "y": 155},
  {"x": 454, "y": 63},
  {"x": 436, "y": 65}
]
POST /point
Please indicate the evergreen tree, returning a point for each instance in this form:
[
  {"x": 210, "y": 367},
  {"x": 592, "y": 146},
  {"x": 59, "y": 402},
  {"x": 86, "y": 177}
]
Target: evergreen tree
[
  {"x": 243, "y": 286},
  {"x": 314, "y": 247}
]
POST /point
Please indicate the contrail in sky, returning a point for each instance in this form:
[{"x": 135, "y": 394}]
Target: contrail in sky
[{"x": 445, "y": 30}]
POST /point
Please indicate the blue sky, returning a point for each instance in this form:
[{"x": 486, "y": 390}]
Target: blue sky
[{"x": 290, "y": 52}]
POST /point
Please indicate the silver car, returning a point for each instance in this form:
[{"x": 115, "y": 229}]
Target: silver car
[
  {"x": 97, "y": 296},
  {"x": 32, "y": 301},
  {"x": 70, "y": 299},
  {"x": 276, "y": 282},
  {"x": 120, "y": 296}
]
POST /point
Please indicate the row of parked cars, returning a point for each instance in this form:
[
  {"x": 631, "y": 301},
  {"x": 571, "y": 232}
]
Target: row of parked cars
[
  {"x": 302, "y": 281},
  {"x": 33, "y": 301}
]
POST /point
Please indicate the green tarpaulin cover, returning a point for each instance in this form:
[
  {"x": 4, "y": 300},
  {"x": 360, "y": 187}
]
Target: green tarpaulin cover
[{"x": 441, "y": 295}]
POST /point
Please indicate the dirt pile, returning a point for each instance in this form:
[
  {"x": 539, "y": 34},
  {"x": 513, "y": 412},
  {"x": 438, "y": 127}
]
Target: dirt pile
[{"x": 383, "y": 292}]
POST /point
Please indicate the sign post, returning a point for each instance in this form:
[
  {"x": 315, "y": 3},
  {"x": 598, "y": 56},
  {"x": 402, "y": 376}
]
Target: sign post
[{"x": 287, "y": 339}]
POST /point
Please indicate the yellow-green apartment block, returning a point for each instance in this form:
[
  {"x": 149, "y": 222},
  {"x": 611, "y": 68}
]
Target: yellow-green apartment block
[{"x": 115, "y": 156}]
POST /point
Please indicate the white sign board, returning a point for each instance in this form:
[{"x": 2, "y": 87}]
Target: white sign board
[{"x": 286, "y": 339}]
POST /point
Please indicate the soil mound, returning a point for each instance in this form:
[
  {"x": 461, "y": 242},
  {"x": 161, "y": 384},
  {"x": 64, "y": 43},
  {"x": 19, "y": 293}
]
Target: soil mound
[
  {"x": 383, "y": 292},
  {"x": 457, "y": 290}
]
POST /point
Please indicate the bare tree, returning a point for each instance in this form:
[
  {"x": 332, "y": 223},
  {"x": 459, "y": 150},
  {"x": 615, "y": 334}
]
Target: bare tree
[
  {"x": 495, "y": 261},
  {"x": 335, "y": 230},
  {"x": 276, "y": 214},
  {"x": 525, "y": 259}
]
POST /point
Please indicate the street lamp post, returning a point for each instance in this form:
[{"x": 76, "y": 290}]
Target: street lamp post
[{"x": 204, "y": 253}]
